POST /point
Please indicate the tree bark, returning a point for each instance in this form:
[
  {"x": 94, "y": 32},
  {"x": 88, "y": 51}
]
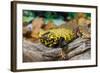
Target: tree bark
[{"x": 34, "y": 52}]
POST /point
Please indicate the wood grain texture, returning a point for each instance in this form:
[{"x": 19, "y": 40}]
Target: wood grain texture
[{"x": 34, "y": 52}]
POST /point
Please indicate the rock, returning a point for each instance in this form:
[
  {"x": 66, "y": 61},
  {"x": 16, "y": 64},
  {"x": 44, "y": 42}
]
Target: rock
[
  {"x": 37, "y": 24},
  {"x": 49, "y": 25}
]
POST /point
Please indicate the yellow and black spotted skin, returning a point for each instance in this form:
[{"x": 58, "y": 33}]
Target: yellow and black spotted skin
[{"x": 58, "y": 37}]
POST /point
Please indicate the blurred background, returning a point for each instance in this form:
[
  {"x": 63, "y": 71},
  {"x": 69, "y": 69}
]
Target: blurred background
[{"x": 57, "y": 18}]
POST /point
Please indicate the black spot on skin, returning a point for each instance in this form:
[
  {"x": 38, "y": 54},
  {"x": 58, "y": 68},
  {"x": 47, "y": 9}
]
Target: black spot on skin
[{"x": 45, "y": 33}]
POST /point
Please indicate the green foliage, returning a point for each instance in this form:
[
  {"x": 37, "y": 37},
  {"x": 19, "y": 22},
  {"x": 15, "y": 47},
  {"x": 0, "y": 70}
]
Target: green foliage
[{"x": 28, "y": 15}]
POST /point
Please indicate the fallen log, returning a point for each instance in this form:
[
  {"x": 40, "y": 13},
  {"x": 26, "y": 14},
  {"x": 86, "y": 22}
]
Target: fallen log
[{"x": 34, "y": 52}]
